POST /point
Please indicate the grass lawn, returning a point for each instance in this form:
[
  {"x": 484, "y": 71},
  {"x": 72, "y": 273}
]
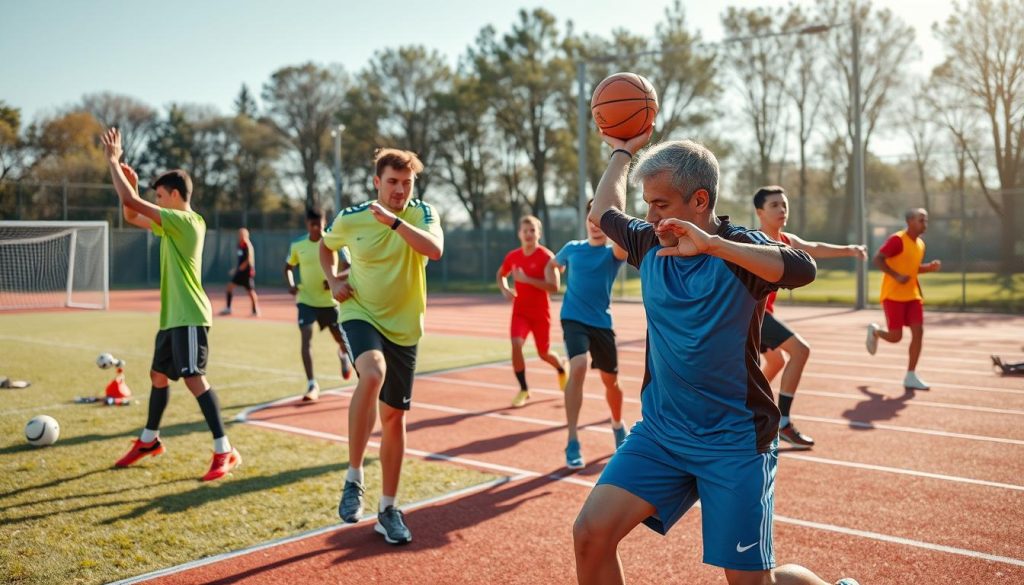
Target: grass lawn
[{"x": 66, "y": 516}]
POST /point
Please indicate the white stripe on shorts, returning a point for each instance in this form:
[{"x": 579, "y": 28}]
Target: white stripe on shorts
[
  {"x": 766, "y": 527},
  {"x": 193, "y": 342}
]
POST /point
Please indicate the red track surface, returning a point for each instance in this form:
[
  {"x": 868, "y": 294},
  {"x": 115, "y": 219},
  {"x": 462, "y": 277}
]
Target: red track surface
[{"x": 902, "y": 488}]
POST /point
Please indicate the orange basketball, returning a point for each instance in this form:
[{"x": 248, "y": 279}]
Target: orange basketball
[{"x": 624, "y": 105}]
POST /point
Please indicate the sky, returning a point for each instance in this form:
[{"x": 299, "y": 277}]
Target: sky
[{"x": 53, "y": 52}]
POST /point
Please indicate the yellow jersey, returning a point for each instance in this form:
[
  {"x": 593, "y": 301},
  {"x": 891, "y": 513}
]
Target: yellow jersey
[{"x": 907, "y": 260}]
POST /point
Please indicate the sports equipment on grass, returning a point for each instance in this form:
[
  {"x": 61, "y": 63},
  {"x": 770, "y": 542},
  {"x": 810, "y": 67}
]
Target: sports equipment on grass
[
  {"x": 54, "y": 264},
  {"x": 42, "y": 430},
  {"x": 624, "y": 105},
  {"x": 106, "y": 361}
]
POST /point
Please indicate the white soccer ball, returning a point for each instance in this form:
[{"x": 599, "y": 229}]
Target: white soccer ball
[
  {"x": 106, "y": 361},
  {"x": 42, "y": 430}
]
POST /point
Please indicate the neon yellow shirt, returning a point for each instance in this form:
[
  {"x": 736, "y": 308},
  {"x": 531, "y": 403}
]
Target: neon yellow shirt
[
  {"x": 182, "y": 298},
  {"x": 313, "y": 290},
  {"x": 388, "y": 276}
]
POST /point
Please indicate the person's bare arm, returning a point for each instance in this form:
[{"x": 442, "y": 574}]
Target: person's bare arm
[
  {"x": 337, "y": 280},
  {"x": 881, "y": 264},
  {"x": 619, "y": 252},
  {"x": 819, "y": 250},
  {"x": 611, "y": 190},
  {"x": 128, "y": 195},
  {"x": 502, "y": 280},
  {"x": 422, "y": 241},
  {"x": 933, "y": 266},
  {"x": 289, "y": 278}
]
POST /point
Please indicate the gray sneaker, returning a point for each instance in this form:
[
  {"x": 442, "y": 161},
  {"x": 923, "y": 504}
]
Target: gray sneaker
[
  {"x": 350, "y": 508},
  {"x": 847, "y": 581},
  {"x": 391, "y": 524}
]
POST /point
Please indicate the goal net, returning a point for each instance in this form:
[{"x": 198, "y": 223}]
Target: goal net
[{"x": 54, "y": 264}]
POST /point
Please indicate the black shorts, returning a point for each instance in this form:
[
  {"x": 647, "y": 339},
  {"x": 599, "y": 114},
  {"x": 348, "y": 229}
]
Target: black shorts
[
  {"x": 242, "y": 278},
  {"x": 581, "y": 338},
  {"x": 399, "y": 361},
  {"x": 325, "y": 316},
  {"x": 773, "y": 333},
  {"x": 181, "y": 352}
]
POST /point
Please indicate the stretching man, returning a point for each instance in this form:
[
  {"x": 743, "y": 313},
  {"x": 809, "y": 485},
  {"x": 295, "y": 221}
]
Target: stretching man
[{"x": 772, "y": 209}]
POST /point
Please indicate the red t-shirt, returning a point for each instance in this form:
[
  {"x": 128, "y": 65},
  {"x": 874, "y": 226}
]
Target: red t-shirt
[
  {"x": 529, "y": 299},
  {"x": 769, "y": 306},
  {"x": 892, "y": 247}
]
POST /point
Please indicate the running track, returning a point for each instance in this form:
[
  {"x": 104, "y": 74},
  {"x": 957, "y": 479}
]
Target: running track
[{"x": 902, "y": 488}]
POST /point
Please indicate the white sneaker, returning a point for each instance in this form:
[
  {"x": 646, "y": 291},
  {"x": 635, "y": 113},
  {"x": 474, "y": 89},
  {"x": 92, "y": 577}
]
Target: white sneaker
[
  {"x": 872, "y": 341},
  {"x": 225, "y": 311},
  {"x": 912, "y": 382},
  {"x": 312, "y": 393}
]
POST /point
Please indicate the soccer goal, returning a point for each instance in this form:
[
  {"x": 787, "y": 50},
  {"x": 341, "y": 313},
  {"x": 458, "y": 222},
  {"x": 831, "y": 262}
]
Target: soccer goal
[{"x": 54, "y": 264}]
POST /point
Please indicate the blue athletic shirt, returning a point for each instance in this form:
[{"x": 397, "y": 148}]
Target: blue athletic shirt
[
  {"x": 703, "y": 389},
  {"x": 588, "y": 288}
]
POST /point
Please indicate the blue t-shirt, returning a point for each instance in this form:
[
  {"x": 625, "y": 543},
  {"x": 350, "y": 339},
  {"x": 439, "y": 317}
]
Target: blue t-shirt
[
  {"x": 703, "y": 390},
  {"x": 588, "y": 288}
]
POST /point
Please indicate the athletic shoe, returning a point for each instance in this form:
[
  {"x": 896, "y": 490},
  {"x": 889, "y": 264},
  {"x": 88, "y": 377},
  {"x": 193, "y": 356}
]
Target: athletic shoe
[
  {"x": 391, "y": 524},
  {"x": 847, "y": 581},
  {"x": 222, "y": 464},
  {"x": 872, "y": 341},
  {"x": 520, "y": 398},
  {"x": 255, "y": 314},
  {"x": 620, "y": 435},
  {"x": 312, "y": 393},
  {"x": 794, "y": 437},
  {"x": 350, "y": 508},
  {"x": 573, "y": 457},
  {"x": 346, "y": 365},
  {"x": 225, "y": 311},
  {"x": 140, "y": 450},
  {"x": 912, "y": 382},
  {"x": 563, "y": 376}
]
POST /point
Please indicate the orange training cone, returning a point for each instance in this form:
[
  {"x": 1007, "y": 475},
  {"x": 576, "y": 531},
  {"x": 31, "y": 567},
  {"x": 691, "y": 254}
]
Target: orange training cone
[{"x": 118, "y": 388}]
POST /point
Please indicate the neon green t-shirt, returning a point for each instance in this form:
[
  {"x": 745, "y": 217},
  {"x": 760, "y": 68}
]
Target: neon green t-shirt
[
  {"x": 313, "y": 290},
  {"x": 388, "y": 276},
  {"x": 182, "y": 298}
]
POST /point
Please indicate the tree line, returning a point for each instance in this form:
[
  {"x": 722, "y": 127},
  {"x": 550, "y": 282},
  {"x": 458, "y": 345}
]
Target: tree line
[{"x": 496, "y": 129}]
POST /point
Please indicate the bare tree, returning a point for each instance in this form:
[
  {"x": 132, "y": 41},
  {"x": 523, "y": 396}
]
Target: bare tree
[
  {"x": 914, "y": 117},
  {"x": 133, "y": 117}
]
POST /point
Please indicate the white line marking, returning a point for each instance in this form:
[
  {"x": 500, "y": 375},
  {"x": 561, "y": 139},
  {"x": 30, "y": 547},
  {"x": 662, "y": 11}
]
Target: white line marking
[
  {"x": 901, "y": 471},
  {"x": 894, "y": 428}
]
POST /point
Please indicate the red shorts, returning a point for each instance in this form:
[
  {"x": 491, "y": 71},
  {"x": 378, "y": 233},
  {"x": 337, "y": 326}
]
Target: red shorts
[
  {"x": 540, "y": 325},
  {"x": 900, "y": 314}
]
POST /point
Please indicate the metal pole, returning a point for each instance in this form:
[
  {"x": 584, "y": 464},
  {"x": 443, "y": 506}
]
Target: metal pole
[
  {"x": 64, "y": 197},
  {"x": 963, "y": 252},
  {"x": 581, "y": 136},
  {"x": 860, "y": 200},
  {"x": 337, "y": 168}
]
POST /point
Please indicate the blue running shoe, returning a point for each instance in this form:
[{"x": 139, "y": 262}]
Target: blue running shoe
[
  {"x": 620, "y": 435},
  {"x": 573, "y": 458}
]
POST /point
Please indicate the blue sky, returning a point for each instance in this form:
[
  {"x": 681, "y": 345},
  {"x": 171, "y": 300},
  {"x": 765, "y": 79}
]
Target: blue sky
[{"x": 54, "y": 52}]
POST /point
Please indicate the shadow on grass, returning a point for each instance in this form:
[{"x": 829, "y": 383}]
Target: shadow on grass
[
  {"x": 165, "y": 431},
  {"x": 878, "y": 407}
]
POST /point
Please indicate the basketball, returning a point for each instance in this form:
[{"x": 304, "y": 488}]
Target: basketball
[
  {"x": 624, "y": 105},
  {"x": 42, "y": 430}
]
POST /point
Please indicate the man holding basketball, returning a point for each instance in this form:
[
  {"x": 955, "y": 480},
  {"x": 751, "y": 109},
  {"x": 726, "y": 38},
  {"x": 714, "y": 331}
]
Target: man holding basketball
[
  {"x": 772, "y": 208},
  {"x": 709, "y": 425},
  {"x": 383, "y": 299}
]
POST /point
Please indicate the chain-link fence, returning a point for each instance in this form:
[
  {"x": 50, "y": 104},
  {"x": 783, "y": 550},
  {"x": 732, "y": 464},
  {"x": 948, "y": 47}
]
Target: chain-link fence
[{"x": 965, "y": 232}]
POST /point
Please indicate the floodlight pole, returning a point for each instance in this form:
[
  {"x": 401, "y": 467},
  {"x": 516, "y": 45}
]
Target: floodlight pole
[
  {"x": 336, "y": 133},
  {"x": 860, "y": 197}
]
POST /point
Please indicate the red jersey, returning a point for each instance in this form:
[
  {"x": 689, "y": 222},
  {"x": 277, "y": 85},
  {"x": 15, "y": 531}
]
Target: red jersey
[
  {"x": 769, "y": 306},
  {"x": 529, "y": 299}
]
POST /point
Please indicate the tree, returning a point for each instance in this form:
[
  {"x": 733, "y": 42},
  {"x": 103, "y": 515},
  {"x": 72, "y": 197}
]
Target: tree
[
  {"x": 245, "y": 103},
  {"x": 11, "y": 149},
  {"x": 254, "y": 148},
  {"x": 302, "y": 100},
  {"x": 132, "y": 117},
  {"x": 196, "y": 139},
  {"x": 914, "y": 118},
  {"x": 985, "y": 59}
]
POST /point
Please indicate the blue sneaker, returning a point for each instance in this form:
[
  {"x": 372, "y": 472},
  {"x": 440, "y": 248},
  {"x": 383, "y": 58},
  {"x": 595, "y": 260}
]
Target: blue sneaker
[
  {"x": 620, "y": 435},
  {"x": 573, "y": 458}
]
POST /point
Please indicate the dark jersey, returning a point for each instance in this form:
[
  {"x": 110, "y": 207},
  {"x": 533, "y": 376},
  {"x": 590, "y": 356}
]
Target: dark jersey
[
  {"x": 243, "y": 256},
  {"x": 703, "y": 389}
]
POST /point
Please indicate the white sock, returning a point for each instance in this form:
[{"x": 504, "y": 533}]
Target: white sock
[
  {"x": 311, "y": 383},
  {"x": 222, "y": 445},
  {"x": 616, "y": 424},
  {"x": 386, "y": 501},
  {"x": 354, "y": 474},
  {"x": 149, "y": 436}
]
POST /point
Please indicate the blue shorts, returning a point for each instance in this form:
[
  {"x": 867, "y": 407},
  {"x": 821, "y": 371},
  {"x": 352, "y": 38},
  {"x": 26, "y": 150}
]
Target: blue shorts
[{"x": 736, "y": 493}]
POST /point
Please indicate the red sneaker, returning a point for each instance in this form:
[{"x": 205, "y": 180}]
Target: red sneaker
[
  {"x": 222, "y": 464},
  {"x": 140, "y": 450}
]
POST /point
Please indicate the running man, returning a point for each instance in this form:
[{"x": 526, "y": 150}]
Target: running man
[
  {"x": 313, "y": 299},
  {"x": 709, "y": 425},
  {"x": 900, "y": 259},
  {"x": 531, "y": 303},
  {"x": 185, "y": 314},
  {"x": 772, "y": 207},
  {"x": 586, "y": 316},
  {"x": 245, "y": 273},
  {"x": 383, "y": 299}
]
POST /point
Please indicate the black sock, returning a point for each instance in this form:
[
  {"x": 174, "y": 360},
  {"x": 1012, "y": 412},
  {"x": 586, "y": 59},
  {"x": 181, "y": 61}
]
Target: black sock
[
  {"x": 785, "y": 401},
  {"x": 229, "y": 299},
  {"x": 521, "y": 376},
  {"x": 560, "y": 369},
  {"x": 158, "y": 398},
  {"x": 211, "y": 410}
]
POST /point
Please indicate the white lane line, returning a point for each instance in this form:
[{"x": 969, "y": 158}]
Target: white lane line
[
  {"x": 898, "y": 429},
  {"x": 902, "y": 471},
  {"x": 308, "y": 534},
  {"x": 915, "y": 402}
]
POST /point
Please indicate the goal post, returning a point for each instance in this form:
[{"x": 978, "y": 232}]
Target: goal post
[{"x": 46, "y": 264}]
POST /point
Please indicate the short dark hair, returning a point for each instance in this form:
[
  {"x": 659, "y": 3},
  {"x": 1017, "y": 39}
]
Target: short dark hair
[
  {"x": 314, "y": 214},
  {"x": 590, "y": 204},
  {"x": 396, "y": 159},
  {"x": 764, "y": 192},
  {"x": 176, "y": 179}
]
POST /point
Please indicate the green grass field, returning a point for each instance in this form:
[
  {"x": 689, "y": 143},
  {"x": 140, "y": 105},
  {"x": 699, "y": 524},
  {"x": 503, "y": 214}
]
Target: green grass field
[{"x": 66, "y": 516}]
